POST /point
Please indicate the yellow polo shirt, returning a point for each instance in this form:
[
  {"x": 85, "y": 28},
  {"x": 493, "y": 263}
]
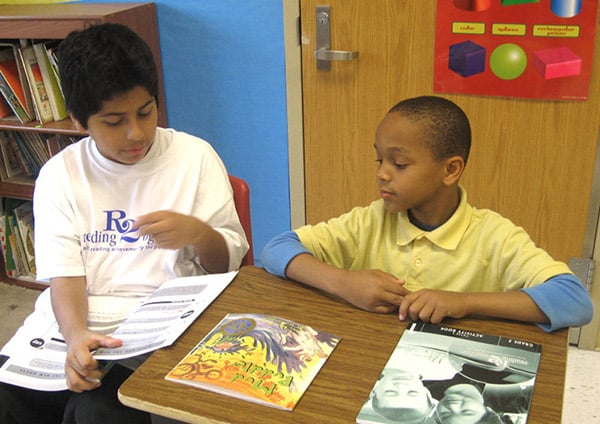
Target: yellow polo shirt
[{"x": 476, "y": 250}]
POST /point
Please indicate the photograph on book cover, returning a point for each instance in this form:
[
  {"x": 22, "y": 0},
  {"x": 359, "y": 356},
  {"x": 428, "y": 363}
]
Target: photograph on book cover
[{"x": 441, "y": 375}]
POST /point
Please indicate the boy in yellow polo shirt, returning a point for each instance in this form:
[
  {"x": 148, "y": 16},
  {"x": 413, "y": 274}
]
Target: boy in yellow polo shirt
[{"x": 422, "y": 249}]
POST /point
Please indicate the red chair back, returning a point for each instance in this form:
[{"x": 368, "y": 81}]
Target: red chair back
[{"x": 241, "y": 197}]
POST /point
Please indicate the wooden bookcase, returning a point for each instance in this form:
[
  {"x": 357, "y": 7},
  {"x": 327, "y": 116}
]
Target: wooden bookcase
[{"x": 56, "y": 21}]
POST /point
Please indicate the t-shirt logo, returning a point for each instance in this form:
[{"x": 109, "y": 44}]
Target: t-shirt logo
[{"x": 117, "y": 234}]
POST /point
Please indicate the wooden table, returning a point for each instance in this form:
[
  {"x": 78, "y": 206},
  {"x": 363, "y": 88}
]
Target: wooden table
[{"x": 343, "y": 384}]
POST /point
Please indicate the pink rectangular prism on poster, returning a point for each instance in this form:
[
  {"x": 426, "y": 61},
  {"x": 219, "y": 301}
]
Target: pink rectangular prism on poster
[{"x": 557, "y": 63}]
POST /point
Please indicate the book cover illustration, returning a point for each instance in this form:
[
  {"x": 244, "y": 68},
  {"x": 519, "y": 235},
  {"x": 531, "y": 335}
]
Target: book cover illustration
[
  {"x": 439, "y": 374},
  {"x": 36, "y": 83},
  {"x": 258, "y": 358},
  {"x": 11, "y": 86},
  {"x": 53, "y": 90}
]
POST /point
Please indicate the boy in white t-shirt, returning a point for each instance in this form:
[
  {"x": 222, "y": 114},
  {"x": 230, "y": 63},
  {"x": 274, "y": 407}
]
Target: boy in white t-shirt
[{"x": 116, "y": 215}]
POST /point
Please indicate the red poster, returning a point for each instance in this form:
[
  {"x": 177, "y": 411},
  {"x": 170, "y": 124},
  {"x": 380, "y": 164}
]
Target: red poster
[{"x": 515, "y": 48}]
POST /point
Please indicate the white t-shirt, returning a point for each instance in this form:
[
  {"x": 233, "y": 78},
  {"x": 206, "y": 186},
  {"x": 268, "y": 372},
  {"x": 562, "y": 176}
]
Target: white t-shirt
[{"x": 85, "y": 205}]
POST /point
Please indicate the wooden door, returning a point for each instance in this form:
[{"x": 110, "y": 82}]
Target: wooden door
[{"x": 531, "y": 160}]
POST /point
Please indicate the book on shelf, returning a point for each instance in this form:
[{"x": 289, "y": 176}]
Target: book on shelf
[
  {"x": 23, "y": 153},
  {"x": 434, "y": 369},
  {"x": 35, "y": 356},
  {"x": 56, "y": 142},
  {"x": 13, "y": 255},
  {"x": 9, "y": 163},
  {"x": 18, "y": 250},
  {"x": 35, "y": 143},
  {"x": 23, "y": 215},
  {"x": 51, "y": 83},
  {"x": 258, "y": 358},
  {"x": 9, "y": 265},
  {"x": 5, "y": 109},
  {"x": 39, "y": 92},
  {"x": 51, "y": 50},
  {"x": 11, "y": 83}
]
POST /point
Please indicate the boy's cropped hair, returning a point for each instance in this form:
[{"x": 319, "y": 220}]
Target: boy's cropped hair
[
  {"x": 448, "y": 132},
  {"x": 100, "y": 62}
]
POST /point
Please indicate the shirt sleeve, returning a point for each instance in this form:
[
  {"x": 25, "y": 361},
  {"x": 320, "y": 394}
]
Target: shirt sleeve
[
  {"x": 279, "y": 252},
  {"x": 564, "y": 300}
]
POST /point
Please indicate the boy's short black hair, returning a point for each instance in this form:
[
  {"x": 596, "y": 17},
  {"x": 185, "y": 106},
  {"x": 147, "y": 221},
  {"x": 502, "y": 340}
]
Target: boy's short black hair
[
  {"x": 447, "y": 128},
  {"x": 102, "y": 61}
]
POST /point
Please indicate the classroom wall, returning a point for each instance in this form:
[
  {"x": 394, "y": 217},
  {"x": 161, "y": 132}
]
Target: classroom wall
[{"x": 224, "y": 77}]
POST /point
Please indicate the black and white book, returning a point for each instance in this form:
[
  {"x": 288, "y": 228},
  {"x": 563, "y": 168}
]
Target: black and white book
[{"x": 439, "y": 374}]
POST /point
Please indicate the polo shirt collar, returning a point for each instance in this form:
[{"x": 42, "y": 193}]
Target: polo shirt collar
[{"x": 447, "y": 236}]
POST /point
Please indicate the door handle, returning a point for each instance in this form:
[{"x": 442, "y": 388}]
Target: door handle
[
  {"x": 323, "y": 54},
  {"x": 329, "y": 55}
]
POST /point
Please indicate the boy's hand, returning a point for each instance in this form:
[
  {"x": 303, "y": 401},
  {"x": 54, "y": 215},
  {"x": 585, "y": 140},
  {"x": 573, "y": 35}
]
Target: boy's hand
[
  {"x": 433, "y": 306},
  {"x": 373, "y": 290},
  {"x": 82, "y": 371},
  {"x": 170, "y": 230}
]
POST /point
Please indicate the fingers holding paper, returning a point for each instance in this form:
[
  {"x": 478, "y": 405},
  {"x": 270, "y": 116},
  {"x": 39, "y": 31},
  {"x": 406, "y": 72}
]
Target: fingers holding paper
[{"x": 82, "y": 371}]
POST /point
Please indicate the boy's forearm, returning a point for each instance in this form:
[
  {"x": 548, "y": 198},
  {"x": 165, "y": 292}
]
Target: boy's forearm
[
  {"x": 306, "y": 269},
  {"x": 70, "y": 305},
  {"x": 514, "y": 305},
  {"x": 212, "y": 250}
]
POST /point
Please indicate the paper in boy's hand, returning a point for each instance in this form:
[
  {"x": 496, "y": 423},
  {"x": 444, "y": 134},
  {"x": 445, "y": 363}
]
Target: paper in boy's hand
[{"x": 35, "y": 356}]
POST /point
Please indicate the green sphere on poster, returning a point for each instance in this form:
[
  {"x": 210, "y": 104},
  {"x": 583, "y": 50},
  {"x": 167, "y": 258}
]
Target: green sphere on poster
[{"x": 508, "y": 61}]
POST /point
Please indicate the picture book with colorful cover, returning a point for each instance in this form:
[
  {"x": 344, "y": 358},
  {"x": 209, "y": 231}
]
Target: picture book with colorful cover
[
  {"x": 439, "y": 374},
  {"x": 38, "y": 90},
  {"x": 259, "y": 358},
  {"x": 51, "y": 83},
  {"x": 11, "y": 83}
]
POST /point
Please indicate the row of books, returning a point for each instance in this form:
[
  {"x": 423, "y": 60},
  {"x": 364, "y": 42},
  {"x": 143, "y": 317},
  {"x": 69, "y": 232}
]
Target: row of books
[
  {"x": 16, "y": 238},
  {"x": 23, "y": 153},
  {"x": 30, "y": 81}
]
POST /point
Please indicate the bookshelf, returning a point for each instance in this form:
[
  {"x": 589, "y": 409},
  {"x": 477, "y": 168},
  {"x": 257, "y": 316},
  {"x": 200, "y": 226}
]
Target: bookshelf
[{"x": 56, "y": 21}]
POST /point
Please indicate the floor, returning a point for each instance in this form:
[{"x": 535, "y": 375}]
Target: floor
[{"x": 582, "y": 387}]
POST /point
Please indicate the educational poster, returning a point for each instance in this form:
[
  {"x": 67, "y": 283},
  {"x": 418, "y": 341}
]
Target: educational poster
[{"x": 515, "y": 48}]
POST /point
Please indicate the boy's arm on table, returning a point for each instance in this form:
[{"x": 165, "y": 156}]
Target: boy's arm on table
[
  {"x": 372, "y": 290},
  {"x": 559, "y": 302},
  {"x": 70, "y": 305}
]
